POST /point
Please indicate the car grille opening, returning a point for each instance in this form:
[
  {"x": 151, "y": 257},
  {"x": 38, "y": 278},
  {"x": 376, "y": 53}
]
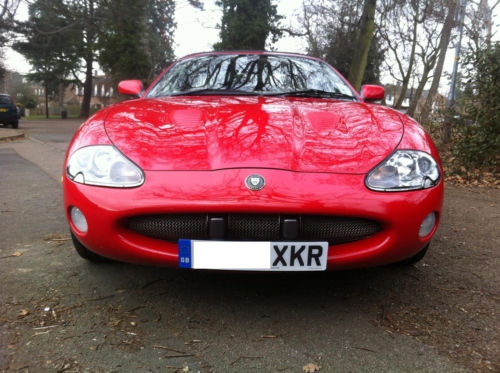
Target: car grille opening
[{"x": 255, "y": 227}]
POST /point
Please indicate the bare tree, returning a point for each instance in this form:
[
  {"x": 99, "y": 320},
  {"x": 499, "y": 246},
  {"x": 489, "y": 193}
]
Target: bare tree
[
  {"x": 444, "y": 41},
  {"x": 479, "y": 23},
  {"x": 310, "y": 26},
  {"x": 427, "y": 53},
  {"x": 331, "y": 26},
  {"x": 402, "y": 30}
]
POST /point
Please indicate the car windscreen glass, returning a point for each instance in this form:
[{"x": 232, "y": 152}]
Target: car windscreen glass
[
  {"x": 252, "y": 73},
  {"x": 5, "y": 100}
]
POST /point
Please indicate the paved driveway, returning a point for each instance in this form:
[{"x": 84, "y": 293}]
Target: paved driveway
[{"x": 60, "y": 313}]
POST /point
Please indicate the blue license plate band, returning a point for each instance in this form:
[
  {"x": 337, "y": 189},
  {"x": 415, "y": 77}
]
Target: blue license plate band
[{"x": 185, "y": 259}]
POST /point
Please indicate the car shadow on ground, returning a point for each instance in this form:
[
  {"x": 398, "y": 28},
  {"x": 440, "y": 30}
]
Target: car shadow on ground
[{"x": 292, "y": 292}]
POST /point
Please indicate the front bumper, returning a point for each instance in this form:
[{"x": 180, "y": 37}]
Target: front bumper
[{"x": 107, "y": 209}]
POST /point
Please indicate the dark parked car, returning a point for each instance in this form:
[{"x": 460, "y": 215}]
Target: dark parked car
[{"x": 9, "y": 113}]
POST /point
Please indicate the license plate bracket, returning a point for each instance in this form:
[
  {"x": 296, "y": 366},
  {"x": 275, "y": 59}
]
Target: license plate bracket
[{"x": 253, "y": 255}]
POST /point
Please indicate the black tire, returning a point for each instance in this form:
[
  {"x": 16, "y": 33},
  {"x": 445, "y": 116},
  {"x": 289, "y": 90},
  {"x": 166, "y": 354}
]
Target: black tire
[
  {"x": 415, "y": 258},
  {"x": 86, "y": 253},
  {"x": 15, "y": 124}
]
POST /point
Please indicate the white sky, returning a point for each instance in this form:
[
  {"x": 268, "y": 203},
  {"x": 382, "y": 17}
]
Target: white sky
[{"x": 197, "y": 32}]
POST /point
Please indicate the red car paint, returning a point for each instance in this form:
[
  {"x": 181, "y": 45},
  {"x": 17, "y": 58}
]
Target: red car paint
[
  {"x": 372, "y": 92},
  {"x": 296, "y": 134},
  {"x": 197, "y": 151}
]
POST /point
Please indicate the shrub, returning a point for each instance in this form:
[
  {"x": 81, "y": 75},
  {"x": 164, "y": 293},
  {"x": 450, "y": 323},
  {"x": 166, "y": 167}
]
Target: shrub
[{"x": 478, "y": 140}]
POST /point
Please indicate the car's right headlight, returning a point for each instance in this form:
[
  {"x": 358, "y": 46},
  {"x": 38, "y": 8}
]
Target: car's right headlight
[
  {"x": 404, "y": 170},
  {"x": 103, "y": 165}
]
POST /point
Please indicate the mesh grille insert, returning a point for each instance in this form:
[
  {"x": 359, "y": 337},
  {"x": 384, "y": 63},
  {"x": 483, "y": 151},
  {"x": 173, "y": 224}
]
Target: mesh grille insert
[
  {"x": 253, "y": 227},
  {"x": 258, "y": 227},
  {"x": 337, "y": 229},
  {"x": 171, "y": 227}
]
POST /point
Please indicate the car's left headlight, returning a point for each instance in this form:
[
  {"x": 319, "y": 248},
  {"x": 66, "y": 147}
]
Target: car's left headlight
[
  {"x": 404, "y": 170},
  {"x": 103, "y": 165}
]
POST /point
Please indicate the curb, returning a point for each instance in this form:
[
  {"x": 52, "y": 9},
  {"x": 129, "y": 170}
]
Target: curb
[{"x": 7, "y": 134}]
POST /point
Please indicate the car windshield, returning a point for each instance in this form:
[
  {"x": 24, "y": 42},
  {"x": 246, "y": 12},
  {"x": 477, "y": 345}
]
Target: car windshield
[{"x": 252, "y": 74}]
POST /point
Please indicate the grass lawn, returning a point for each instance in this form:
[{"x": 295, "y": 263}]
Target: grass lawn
[{"x": 38, "y": 117}]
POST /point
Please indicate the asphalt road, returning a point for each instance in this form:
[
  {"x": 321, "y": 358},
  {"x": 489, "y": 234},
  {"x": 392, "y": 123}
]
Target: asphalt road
[{"x": 60, "y": 313}]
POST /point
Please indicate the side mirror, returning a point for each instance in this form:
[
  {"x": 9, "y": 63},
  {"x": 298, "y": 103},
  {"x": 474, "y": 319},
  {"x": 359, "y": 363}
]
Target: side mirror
[
  {"x": 130, "y": 87},
  {"x": 372, "y": 93}
]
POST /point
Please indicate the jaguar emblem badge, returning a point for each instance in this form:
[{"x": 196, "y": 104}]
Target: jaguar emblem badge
[{"x": 255, "y": 182}]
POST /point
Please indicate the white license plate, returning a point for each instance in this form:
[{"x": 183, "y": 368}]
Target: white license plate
[{"x": 253, "y": 255}]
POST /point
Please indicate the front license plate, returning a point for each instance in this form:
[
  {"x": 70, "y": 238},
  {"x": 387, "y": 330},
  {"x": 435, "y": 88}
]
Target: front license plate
[{"x": 253, "y": 255}]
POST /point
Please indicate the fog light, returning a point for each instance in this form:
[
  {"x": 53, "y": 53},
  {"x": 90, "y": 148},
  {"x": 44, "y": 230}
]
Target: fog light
[
  {"x": 427, "y": 225},
  {"x": 79, "y": 220}
]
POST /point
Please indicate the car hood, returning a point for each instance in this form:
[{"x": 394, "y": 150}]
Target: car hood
[{"x": 296, "y": 134}]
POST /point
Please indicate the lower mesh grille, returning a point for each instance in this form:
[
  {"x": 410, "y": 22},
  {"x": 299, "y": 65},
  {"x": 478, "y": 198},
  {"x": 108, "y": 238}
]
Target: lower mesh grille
[
  {"x": 171, "y": 227},
  {"x": 338, "y": 229},
  {"x": 258, "y": 227},
  {"x": 253, "y": 227}
]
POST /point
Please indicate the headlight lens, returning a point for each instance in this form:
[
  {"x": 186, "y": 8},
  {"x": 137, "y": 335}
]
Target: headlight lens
[
  {"x": 103, "y": 165},
  {"x": 404, "y": 170}
]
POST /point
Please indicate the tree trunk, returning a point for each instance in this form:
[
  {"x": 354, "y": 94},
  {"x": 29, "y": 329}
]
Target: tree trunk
[
  {"x": 89, "y": 26},
  {"x": 87, "y": 89},
  {"x": 313, "y": 42},
  {"x": 62, "y": 88},
  {"x": 420, "y": 89},
  {"x": 46, "y": 101},
  {"x": 360, "y": 58},
  {"x": 449, "y": 23},
  {"x": 406, "y": 78}
]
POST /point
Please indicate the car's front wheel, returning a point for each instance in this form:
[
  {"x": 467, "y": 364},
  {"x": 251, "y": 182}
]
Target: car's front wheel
[{"x": 86, "y": 253}]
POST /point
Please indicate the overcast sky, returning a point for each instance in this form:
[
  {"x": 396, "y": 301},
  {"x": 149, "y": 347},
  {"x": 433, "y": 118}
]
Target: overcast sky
[{"x": 197, "y": 32}]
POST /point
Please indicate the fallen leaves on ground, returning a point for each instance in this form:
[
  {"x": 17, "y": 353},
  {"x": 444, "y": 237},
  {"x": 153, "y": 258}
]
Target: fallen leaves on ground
[
  {"x": 65, "y": 366},
  {"x": 15, "y": 255},
  {"x": 311, "y": 368},
  {"x": 460, "y": 175},
  {"x": 474, "y": 179},
  {"x": 56, "y": 237}
]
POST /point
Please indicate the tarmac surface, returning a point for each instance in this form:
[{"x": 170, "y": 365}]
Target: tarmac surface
[{"x": 61, "y": 313}]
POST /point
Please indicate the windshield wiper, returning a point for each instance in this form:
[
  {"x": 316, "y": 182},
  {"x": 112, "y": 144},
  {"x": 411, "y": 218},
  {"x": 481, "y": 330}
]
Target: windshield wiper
[
  {"x": 314, "y": 93},
  {"x": 215, "y": 92}
]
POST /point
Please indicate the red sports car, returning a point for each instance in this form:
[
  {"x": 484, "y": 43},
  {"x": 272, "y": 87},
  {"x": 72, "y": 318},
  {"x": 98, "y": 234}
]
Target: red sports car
[{"x": 252, "y": 161}]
